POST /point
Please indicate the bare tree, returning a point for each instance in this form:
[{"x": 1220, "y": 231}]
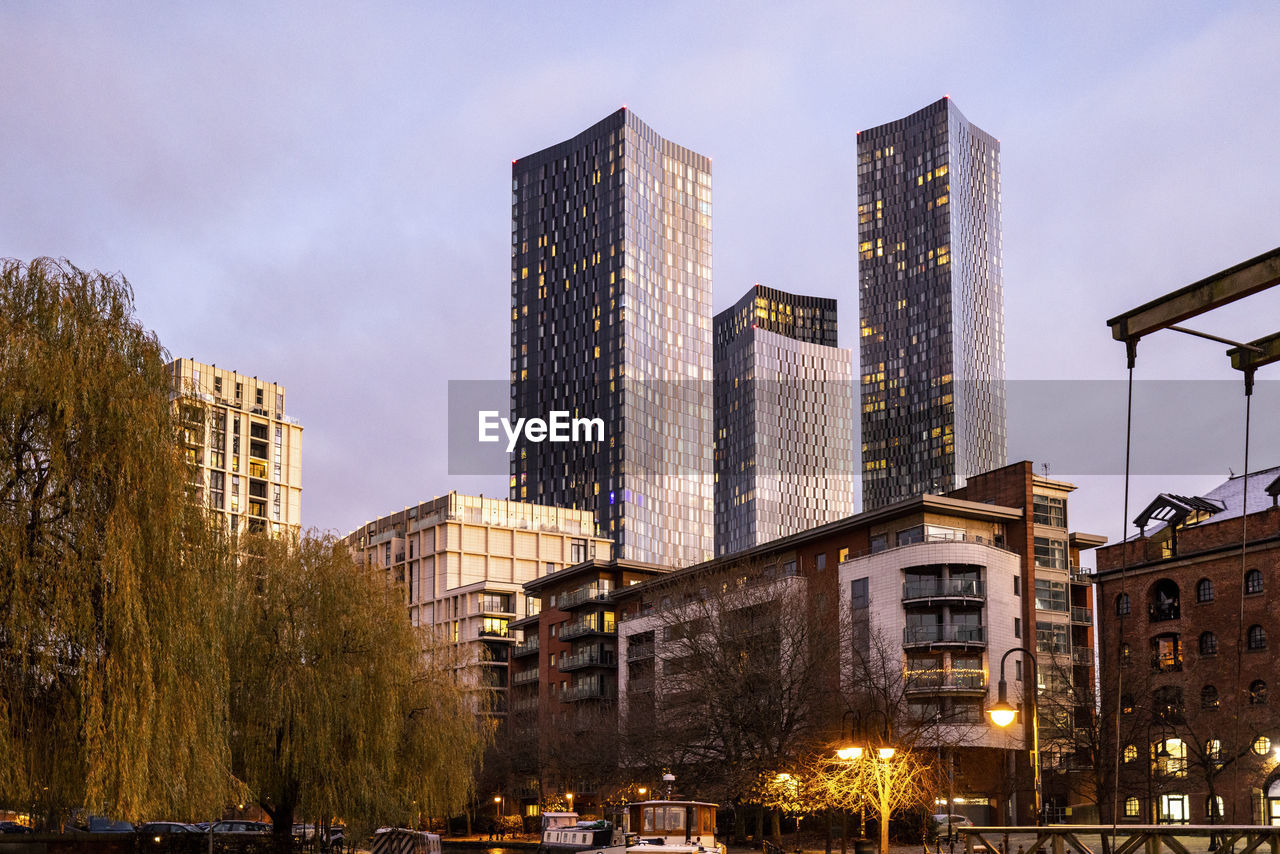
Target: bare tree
[{"x": 743, "y": 687}]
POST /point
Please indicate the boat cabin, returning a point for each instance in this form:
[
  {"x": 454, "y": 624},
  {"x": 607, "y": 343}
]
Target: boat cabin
[{"x": 673, "y": 822}]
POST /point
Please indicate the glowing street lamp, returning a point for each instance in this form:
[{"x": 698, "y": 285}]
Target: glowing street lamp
[{"x": 1003, "y": 713}]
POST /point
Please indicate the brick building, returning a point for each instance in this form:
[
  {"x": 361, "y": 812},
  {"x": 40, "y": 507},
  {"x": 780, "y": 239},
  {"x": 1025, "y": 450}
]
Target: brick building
[
  {"x": 994, "y": 559},
  {"x": 1188, "y": 630}
]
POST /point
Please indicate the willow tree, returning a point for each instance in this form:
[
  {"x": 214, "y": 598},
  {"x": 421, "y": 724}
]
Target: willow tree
[
  {"x": 112, "y": 678},
  {"x": 339, "y": 706}
]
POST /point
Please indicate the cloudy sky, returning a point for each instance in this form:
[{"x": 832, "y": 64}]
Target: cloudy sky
[{"x": 319, "y": 193}]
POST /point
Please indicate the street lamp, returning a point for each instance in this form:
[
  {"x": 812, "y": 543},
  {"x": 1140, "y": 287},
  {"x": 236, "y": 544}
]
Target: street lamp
[
  {"x": 1003, "y": 713},
  {"x": 850, "y": 750}
]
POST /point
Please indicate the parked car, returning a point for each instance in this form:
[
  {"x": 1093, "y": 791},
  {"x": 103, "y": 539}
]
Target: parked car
[
  {"x": 102, "y": 824},
  {"x": 160, "y": 828},
  {"x": 14, "y": 827},
  {"x": 956, "y": 820},
  {"x": 240, "y": 826}
]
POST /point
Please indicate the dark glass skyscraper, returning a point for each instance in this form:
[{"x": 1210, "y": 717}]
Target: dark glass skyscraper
[
  {"x": 783, "y": 419},
  {"x": 931, "y": 289},
  {"x": 611, "y": 319}
]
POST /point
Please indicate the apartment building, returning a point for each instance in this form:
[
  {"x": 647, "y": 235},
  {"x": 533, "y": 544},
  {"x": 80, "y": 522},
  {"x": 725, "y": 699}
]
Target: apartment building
[
  {"x": 462, "y": 562},
  {"x": 247, "y": 451},
  {"x": 940, "y": 588}
]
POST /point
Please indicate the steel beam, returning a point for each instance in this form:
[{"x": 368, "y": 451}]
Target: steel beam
[
  {"x": 1249, "y": 277},
  {"x": 1243, "y": 359}
]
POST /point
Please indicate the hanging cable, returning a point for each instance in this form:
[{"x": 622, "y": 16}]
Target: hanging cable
[
  {"x": 1244, "y": 549},
  {"x": 1124, "y": 591}
]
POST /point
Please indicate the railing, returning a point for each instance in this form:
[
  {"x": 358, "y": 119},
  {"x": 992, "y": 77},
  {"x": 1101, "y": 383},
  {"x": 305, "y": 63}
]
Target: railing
[
  {"x": 944, "y": 633},
  {"x": 1080, "y": 574},
  {"x": 583, "y": 594},
  {"x": 588, "y": 658},
  {"x": 1084, "y": 838},
  {"x": 939, "y": 588},
  {"x": 584, "y": 627},
  {"x": 525, "y": 677},
  {"x": 521, "y": 707},
  {"x": 1082, "y": 615},
  {"x": 526, "y": 647},
  {"x": 976, "y": 539},
  {"x": 639, "y": 651},
  {"x": 590, "y": 692},
  {"x": 931, "y": 682},
  {"x": 495, "y": 633},
  {"x": 640, "y": 685},
  {"x": 1082, "y": 656}
]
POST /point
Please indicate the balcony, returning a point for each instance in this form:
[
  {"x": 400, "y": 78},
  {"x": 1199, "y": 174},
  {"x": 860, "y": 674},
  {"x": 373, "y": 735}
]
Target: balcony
[
  {"x": 938, "y": 588},
  {"x": 495, "y": 634},
  {"x": 944, "y": 634},
  {"x": 590, "y": 692},
  {"x": 587, "y": 593},
  {"x": 639, "y": 651},
  {"x": 524, "y": 707},
  {"x": 525, "y": 677},
  {"x": 525, "y": 647},
  {"x": 1082, "y": 616},
  {"x": 1082, "y": 657},
  {"x": 1080, "y": 574},
  {"x": 938, "y": 682},
  {"x": 585, "y": 627},
  {"x": 588, "y": 658}
]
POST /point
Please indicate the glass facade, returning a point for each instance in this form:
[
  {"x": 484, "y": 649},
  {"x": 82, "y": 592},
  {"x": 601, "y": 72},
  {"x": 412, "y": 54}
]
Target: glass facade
[
  {"x": 931, "y": 289},
  {"x": 784, "y": 452},
  {"x": 611, "y": 319}
]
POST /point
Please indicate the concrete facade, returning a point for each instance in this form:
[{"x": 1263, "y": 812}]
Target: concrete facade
[
  {"x": 463, "y": 561},
  {"x": 248, "y": 452}
]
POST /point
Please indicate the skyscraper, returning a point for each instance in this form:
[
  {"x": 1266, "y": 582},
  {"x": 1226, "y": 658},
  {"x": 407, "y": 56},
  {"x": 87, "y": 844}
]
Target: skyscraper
[
  {"x": 611, "y": 319},
  {"x": 783, "y": 419},
  {"x": 930, "y": 282}
]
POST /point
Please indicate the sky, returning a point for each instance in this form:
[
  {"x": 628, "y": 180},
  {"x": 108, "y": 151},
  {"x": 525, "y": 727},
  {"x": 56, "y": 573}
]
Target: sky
[{"x": 318, "y": 194}]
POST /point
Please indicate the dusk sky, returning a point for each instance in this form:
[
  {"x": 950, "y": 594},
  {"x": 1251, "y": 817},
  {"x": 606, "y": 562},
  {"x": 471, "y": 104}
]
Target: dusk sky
[{"x": 319, "y": 194}]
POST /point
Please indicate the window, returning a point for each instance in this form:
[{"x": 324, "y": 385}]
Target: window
[
  {"x": 1167, "y": 702},
  {"x": 860, "y": 595},
  {"x": 821, "y": 561},
  {"x": 1252, "y": 582},
  {"x": 1126, "y": 653},
  {"x": 1126, "y": 704},
  {"x": 1164, "y": 601},
  {"x": 1052, "y": 637},
  {"x": 1050, "y": 553},
  {"x": 1132, "y": 808},
  {"x": 1213, "y": 750},
  {"x": 1051, "y": 595},
  {"x": 1130, "y": 753},
  {"x": 1209, "y": 697},
  {"x": 1257, "y": 638},
  {"x": 1262, "y": 745},
  {"x": 1122, "y": 604},
  {"x": 1017, "y": 585},
  {"x": 1166, "y": 653},
  {"x": 1049, "y": 511},
  {"x": 907, "y": 536},
  {"x": 1017, "y": 627},
  {"x": 1204, "y": 590},
  {"x": 1257, "y": 693},
  {"x": 879, "y": 542},
  {"x": 1208, "y": 644}
]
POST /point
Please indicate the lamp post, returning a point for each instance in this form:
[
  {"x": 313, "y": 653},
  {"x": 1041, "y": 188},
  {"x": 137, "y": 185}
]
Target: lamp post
[
  {"x": 851, "y": 751},
  {"x": 1002, "y": 714}
]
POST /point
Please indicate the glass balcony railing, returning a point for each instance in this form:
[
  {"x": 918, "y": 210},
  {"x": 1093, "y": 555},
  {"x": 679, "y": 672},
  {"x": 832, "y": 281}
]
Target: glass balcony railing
[
  {"x": 525, "y": 677},
  {"x": 943, "y": 588},
  {"x": 589, "y": 658},
  {"x": 945, "y": 633},
  {"x": 1084, "y": 616}
]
